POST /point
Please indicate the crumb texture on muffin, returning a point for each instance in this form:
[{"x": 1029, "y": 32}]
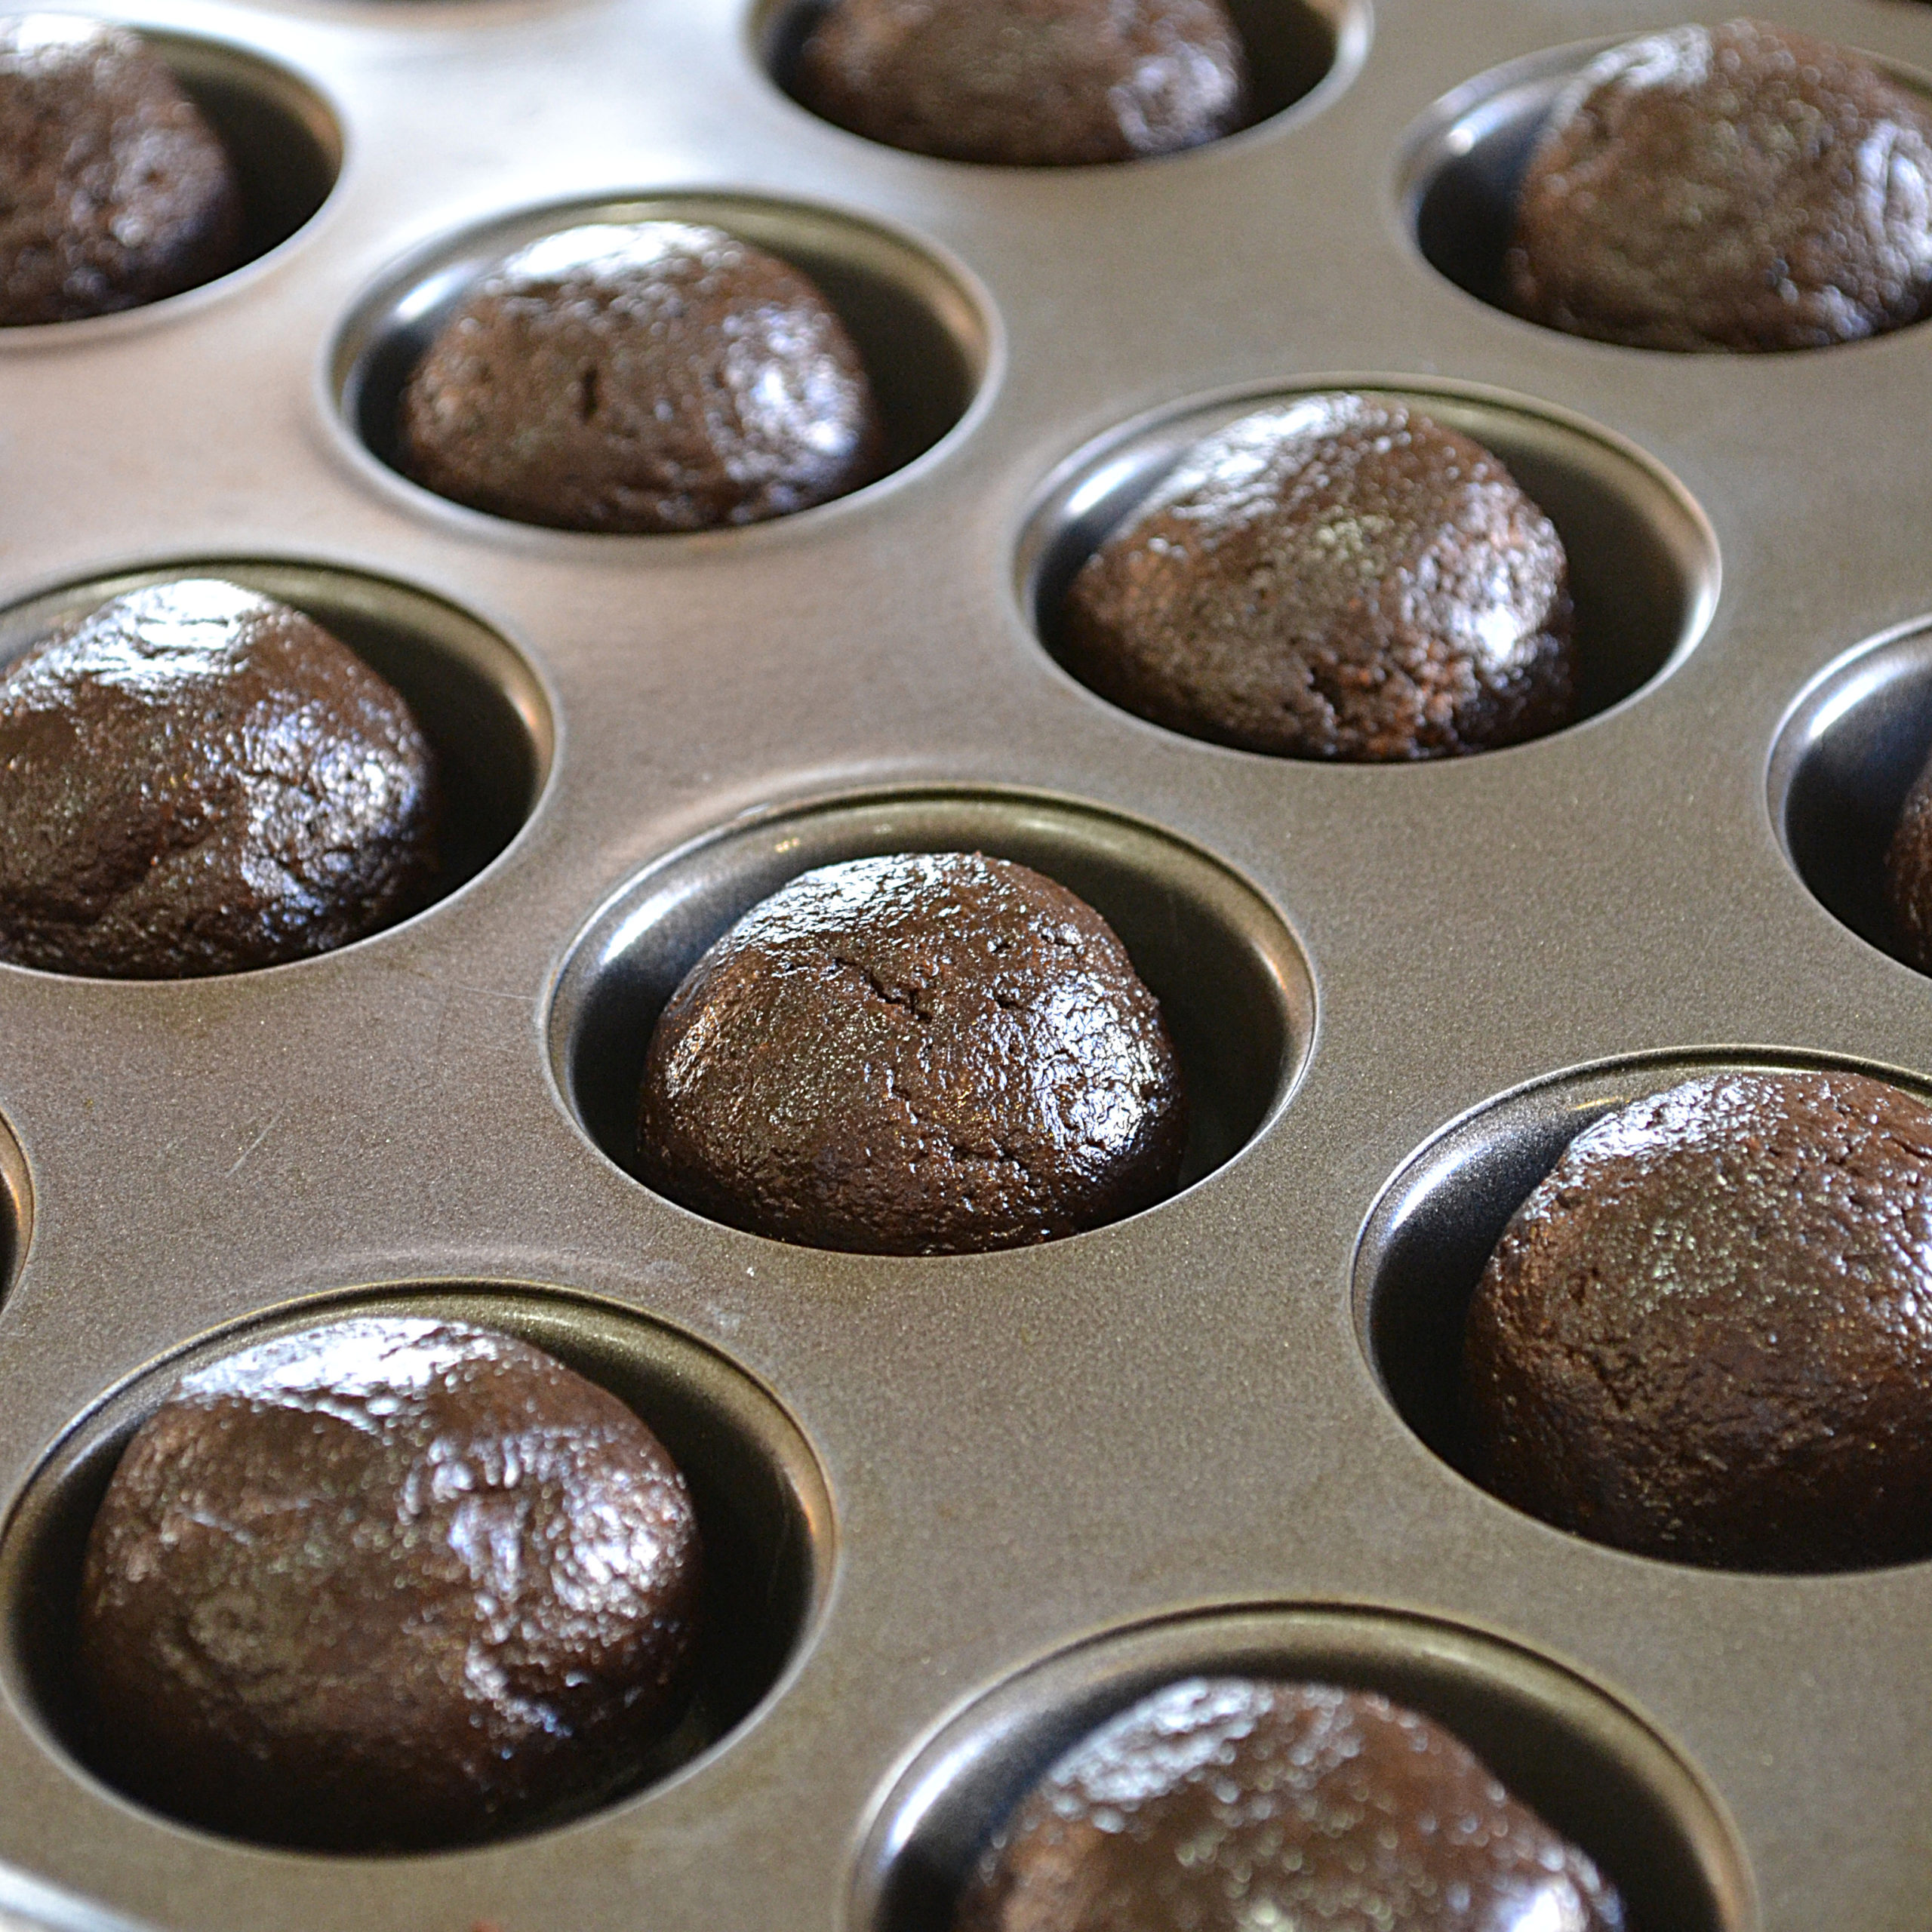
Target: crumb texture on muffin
[
  {"x": 114, "y": 191},
  {"x": 1221, "y": 1805},
  {"x": 391, "y": 1582},
  {"x": 1027, "y": 83},
  {"x": 195, "y": 779},
  {"x": 1707, "y": 1334},
  {"x": 1742, "y": 187},
  {"x": 1336, "y": 577},
  {"x": 644, "y": 379}
]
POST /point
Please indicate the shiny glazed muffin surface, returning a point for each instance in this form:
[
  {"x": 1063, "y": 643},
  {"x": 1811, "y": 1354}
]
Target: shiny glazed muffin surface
[
  {"x": 923, "y": 1054},
  {"x": 114, "y": 191},
  {"x": 389, "y": 1582},
  {"x": 643, "y": 379},
  {"x": 1707, "y": 1334},
  {"x": 1225, "y": 1804},
  {"x": 1742, "y": 187},
  {"x": 194, "y": 779},
  {"x": 1337, "y": 577}
]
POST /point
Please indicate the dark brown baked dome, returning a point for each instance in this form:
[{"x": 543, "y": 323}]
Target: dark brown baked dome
[
  {"x": 1335, "y": 577},
  {"x": 1707, "y": 1335},
  {"x": 1908, "y": 873},
  {"x": 113, "y": 190},
  {"x": 390, "y": 1583},
  {"x": 928, "y": 1054},
  {"x": 1227, "y": 1805},
  {"x": 1741, "y": 187},
  {"x": 655, "y": 377},
  {"x": 1027, "y": 83},
  {"x": 195, "y": 779}
]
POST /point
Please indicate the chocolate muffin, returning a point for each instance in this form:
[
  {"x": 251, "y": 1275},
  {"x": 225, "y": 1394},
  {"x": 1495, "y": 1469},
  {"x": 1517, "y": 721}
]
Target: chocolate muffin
[
  {"x": 1226, "y": 1805},
  {"x": 1027, "y": 83},
  {"x": 650, "y": 378},
  {"x": 1909, "y": 874},
  {"x": 1707, "y": 1335},
  {"x": 1334, "y": 577},
  {"x": 929, "y": 1054},
  {"x": 113, "y": 190},
  {"x": 195, "y": 779},
  {"x": 1742, "y": 187},
  {"x": 391, "y": 1583}
]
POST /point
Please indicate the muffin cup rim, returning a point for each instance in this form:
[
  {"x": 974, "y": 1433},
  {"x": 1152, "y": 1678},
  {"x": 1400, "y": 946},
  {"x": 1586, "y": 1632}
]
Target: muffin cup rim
[
  {"x": 789, "y": 1448},
  {"x": 910, "y": 1787},
  {"x": 1030, "y": 542},
  {"x": 1302, "y": 999},
  {"x": 338, "y": 368}
]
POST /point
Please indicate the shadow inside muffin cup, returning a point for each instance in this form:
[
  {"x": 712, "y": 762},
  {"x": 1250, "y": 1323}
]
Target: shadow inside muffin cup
[
  {"x": 16, "y": 1209},
  {"x": 1573, "y": 1754},
  {"x": 1429, "y": 1236},
  {"x": 923, "y": 335},
  {"x": 1464, "y": 163},
  {"x": 1850, "y": 749},
  {"x": 478, "y": 703},
  {"x": 1294, "y": 49},
  {"x": 281, "y": 137},
  {"x": 763, "y": 1511},
  {"x": 1644, "y": 567},
  {"x": 1234, "y": 987}
]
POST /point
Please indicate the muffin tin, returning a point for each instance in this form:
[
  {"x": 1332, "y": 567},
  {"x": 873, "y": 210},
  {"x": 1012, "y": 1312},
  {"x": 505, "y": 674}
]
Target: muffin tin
[{"x": 976, "y": 1503}]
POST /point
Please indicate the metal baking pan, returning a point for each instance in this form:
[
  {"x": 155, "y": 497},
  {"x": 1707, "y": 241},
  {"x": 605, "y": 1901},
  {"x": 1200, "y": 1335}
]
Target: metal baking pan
[{"x": 969, "y": 1505}]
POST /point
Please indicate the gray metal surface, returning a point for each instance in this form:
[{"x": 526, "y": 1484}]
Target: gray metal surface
[{"x": 1016, "y": 1454}]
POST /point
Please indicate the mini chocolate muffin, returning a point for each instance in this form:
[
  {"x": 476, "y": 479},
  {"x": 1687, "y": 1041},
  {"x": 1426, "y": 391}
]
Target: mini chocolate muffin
[
  {"x": 650, "y": 378},
  {"x": 1741, "y": 187},
  {"x": 1027, "y": 83},
  {"x": 391, "y": 1583},
  {"x": 1335, "y": 577},
  {"x": 1227, "y": 1805},
  {"x": 196, "y": 779},
  {"x": 113, "y": 190},
  {"x": 1909, "y": 874},
  {"x": 929, "y": 1054},
  {"x": 1707, "y": 1335}
]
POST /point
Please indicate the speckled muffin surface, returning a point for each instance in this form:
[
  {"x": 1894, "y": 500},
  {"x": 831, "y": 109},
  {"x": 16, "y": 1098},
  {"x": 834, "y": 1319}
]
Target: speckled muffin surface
[
  {"x": 1736, "y": 188},
  {"x": 391, "y": 1582},
  {"x": 114, "y": 191},
  {"x": 1336, "y": 577},
  {"x": 1909, "y": 874},
  {"x": 1225, "y": 1804},
  {"x": 195, "y": 779},
  {"x": 1707, "y": 1334},
  {"x": 917, "y": 1054},
  {"x": 643, "y": 379},
  {"x": 1027, "y": 83}
]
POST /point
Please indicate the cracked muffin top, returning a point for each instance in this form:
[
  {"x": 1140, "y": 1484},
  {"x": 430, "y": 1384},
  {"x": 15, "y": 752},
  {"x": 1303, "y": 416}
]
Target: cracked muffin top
[
  {"x": 1706, "y": 1335},
  {"x": 924, "y": 1053}
]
